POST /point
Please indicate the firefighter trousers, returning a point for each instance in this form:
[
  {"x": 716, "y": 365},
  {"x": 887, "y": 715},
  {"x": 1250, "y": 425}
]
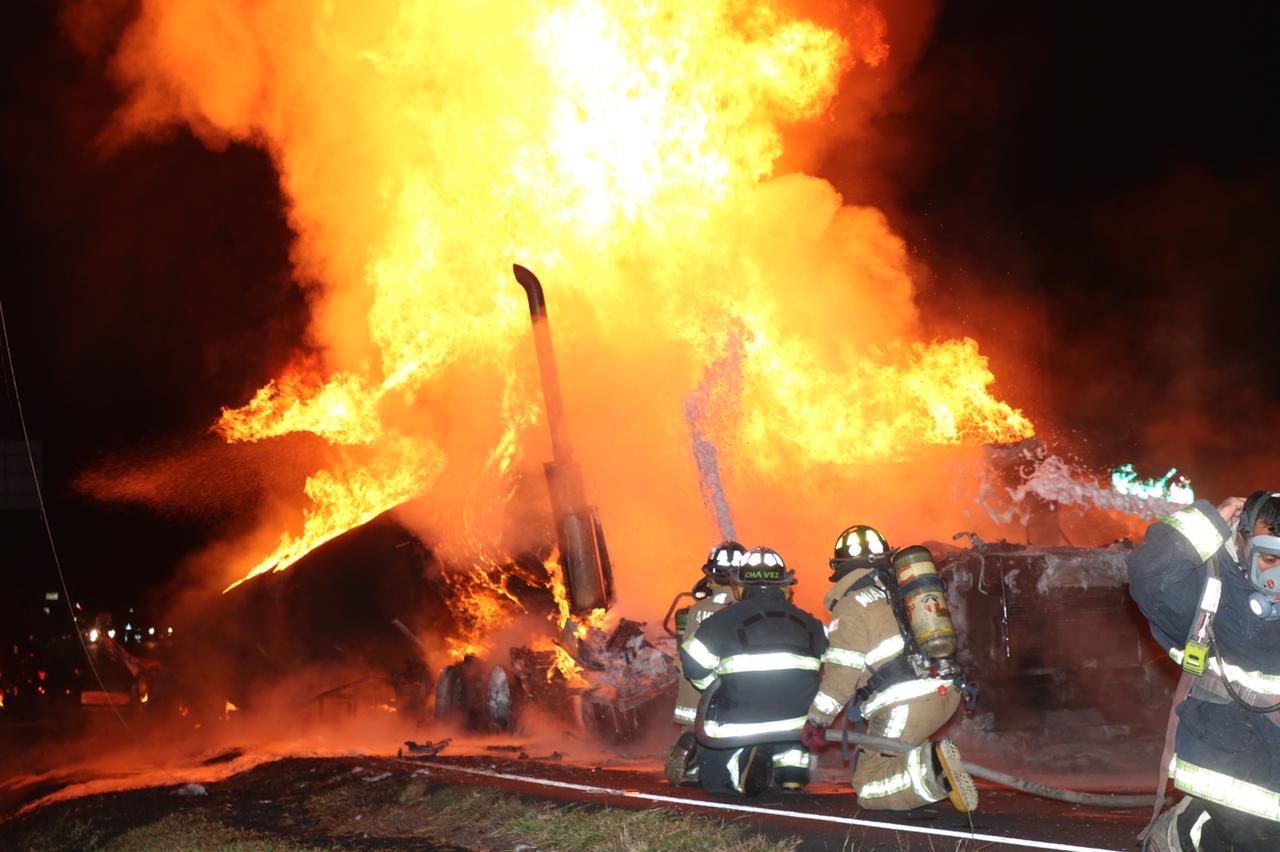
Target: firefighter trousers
[
  {"x": 750, "y": 770},
  {"x": 1211, "y": 827},
  {"x": 687, "y": 698},
  {"x": 899, "y": 782}
]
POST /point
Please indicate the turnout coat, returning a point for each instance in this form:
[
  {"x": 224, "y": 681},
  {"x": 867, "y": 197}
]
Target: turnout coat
[
  {"x": 766, "y": 652},
  {"x": 1223, "y": 753}
]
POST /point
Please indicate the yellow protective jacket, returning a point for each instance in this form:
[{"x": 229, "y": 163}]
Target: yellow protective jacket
[
  {"x": 687, "y": 697},
  {"x": 864, "y": 639}
]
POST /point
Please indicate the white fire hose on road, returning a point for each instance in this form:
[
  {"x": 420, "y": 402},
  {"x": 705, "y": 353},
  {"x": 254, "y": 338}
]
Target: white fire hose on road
[{"x": 1034, "y": 788}]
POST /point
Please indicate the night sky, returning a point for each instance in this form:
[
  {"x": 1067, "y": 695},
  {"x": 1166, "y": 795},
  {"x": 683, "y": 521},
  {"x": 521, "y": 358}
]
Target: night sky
[{"x": 1094, "y": 187}]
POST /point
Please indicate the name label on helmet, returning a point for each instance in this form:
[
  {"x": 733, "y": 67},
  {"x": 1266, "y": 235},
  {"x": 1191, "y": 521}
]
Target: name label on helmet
[{"x": 761, "y": 574}]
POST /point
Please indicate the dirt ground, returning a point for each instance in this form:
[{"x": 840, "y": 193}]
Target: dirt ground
[{"x": 356, "y": 803}]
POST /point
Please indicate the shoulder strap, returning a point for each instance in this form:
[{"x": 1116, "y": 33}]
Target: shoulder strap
[
  {"x": 869, "y": 579},
  {"x": 1197, "y": 636}
]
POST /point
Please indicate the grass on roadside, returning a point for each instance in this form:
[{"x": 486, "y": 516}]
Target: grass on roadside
[{"x": 566, "y": 827}]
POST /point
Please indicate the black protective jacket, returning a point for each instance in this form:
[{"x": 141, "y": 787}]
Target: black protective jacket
[
  {"x": 765, "y": 652},
  {"x": 1223, "y": 753}
]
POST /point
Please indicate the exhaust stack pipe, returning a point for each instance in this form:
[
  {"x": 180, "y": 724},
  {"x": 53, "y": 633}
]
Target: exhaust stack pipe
[{"x": 588, "y": 574}]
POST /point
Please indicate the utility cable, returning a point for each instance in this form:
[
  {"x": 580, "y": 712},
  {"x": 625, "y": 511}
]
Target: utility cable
[{"x": 44, "y": 516}]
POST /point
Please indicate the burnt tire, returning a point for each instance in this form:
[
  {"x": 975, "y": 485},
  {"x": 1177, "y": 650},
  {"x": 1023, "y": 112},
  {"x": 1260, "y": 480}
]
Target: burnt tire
[
  {"x": 451, "y": 694},
  {"x": 501, "y": 701}
]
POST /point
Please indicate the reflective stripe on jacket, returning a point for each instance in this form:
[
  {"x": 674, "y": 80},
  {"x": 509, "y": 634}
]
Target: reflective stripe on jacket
[
  {"x": 766, "y": 652},
  {"x": 864, "y": 638}
]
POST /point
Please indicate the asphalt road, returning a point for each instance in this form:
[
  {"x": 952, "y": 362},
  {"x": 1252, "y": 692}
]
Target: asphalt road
[{"x": 826, "y": 815}]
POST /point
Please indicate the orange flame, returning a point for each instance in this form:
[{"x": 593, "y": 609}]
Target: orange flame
[
  {"x": 562, "y": 664},
  {"x": 425, "y": 146}
]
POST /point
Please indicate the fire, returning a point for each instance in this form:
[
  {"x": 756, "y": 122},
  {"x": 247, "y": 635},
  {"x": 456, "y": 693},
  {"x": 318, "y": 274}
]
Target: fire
[
  {"x": 598, "y": 619},
  {"x": 563, "y": 664},
  {"x": 352, "y": 494},
  {"x": 483, "y": 603},
  {"x": 228, "y": 709},
  {"x": 628, "y": 152}
]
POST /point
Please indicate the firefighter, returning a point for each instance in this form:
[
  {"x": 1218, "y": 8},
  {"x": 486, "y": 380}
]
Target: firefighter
[
  {"x": 867, "y": 663},
  {"x": 757, "y": 664},
  {"x": 1208, "y": 581},
  {"x": 711, "y": 594}
]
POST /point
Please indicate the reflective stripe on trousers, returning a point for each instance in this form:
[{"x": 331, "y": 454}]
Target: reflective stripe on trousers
[
  {"x": 794, "y": 757},
  {"x": 915, "y": 776},
  {"x": 1197, "y": 829}
]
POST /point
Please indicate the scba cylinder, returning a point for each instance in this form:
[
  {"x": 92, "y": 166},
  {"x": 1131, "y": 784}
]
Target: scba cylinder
[{"x": 925, "y": 600}]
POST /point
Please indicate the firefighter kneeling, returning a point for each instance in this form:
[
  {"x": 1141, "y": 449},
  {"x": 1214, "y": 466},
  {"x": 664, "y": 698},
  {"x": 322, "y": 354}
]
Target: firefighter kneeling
[
  {"x": 757, "y": 664},
  {"x": 711, "y": 594},
  {"x": 903, "y": 683}
]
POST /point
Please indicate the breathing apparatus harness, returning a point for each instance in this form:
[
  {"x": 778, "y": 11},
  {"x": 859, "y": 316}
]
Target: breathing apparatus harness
[
  {"x": 914, "y": 661},
  {"x": 910, "y": 582}
]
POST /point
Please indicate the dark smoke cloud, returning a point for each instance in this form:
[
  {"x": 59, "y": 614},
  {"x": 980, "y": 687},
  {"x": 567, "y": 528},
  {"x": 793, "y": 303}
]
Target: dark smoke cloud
[
  {"x": 145, "y": 287},
  {"x": 1093, "y": 190}
]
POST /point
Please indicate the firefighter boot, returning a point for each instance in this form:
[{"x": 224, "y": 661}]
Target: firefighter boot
[
  {"x": 681, "y": 766},
  {"x": 961, "y": 789},
  {"x": 756, "y": 771},
  {"x": 1163, "y": 835}
]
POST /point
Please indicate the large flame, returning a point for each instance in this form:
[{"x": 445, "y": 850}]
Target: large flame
[{"x": 624, "y": 150}]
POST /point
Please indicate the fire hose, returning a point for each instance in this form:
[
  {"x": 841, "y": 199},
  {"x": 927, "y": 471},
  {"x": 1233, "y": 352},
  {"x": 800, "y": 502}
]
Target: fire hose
[{"x": 1004, "y": 779}]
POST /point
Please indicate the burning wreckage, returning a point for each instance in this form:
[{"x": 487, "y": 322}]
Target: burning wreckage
[
  {"x": 616, "y": 681},
  {"x": 1062, "y": 657},
  {"x": 627, "y": 678}
]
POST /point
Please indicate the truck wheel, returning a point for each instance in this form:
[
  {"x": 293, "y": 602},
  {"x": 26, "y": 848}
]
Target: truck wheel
[
  {"x": 451, "y": 699},
  {"x": 501, "y": 701}
]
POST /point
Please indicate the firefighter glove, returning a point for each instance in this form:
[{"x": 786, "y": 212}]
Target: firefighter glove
[{"x": 813, "y": 737}]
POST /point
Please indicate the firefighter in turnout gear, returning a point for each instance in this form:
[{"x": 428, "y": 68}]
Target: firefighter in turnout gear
[
  {"x": 871, "y": 663},
  {"x": 1208, "y": 581},
  {"x": 711, "y": 594},
  {"x": 757, "y": 664}
]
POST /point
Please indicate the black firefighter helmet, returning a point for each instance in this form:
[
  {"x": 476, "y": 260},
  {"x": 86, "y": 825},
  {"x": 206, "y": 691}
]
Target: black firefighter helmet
[
  {"x": 859, "y": 546},
  {"x": 721, "y": 559},
  {"x": 761, "y": 568}
]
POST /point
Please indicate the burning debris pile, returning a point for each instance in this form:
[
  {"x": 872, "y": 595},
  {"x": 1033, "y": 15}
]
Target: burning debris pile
[{"x": 618, "y": 682}]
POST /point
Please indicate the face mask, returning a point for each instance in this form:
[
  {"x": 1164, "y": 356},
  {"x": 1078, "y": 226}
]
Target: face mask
[{"x": 1263, "y": 602}]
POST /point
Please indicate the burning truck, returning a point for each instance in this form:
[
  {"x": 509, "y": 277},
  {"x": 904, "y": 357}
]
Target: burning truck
[
  {"x": 625, "y": 682},
  {"x": 1022, "y": 613},
  {"x": 373, "y": 631}
]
